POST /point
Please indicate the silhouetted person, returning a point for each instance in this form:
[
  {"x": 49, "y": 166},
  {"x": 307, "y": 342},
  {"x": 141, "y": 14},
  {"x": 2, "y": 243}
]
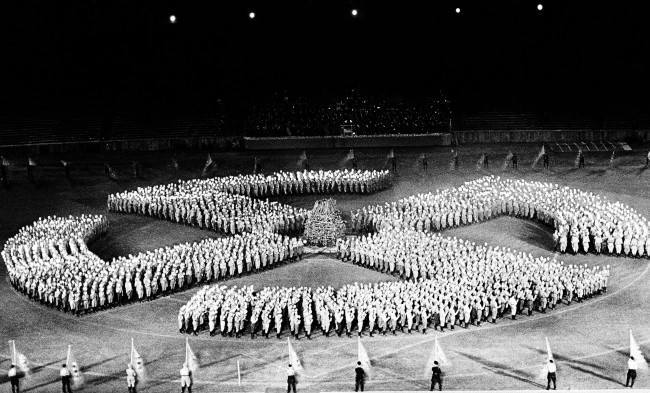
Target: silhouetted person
[
  {"x": 515, "y": 161},
  {"x": 545, "y": 160},
  {"x": 291, "y": 379},
  {"x": 486, "y": 161},
  {"x": 355, "y": 165},
  {"x": 65, "y": 379},
  {"x": 394, "y": 164},
  {"x": 631, "y": 372},
  {"x": 14, "y": 379},
  {"x": 647, "y": 160},
  {"x": 307, "y": 165},
  {"x": 550, "y": 375},
  {"x": 436, "y": 376},
  {"x": 359, "y": 377},
  {"x": 425, "y": 163},
  {"x": 3, "y": 175}
]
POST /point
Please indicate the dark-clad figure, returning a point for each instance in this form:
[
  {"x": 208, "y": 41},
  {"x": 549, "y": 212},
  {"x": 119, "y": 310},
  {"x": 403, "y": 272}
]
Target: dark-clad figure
[
  {"x": 14, "y": 379},
  {"x": 631, "y": 372},
  {"x": 550, "y": 374},
  {"x": 436, "y": 376},
  {"x": 291, "y": 379},
  {"x": 515, "y": 161},
  {"x": 425, "y": 163},
  {"x": 359, "y": 377},
  {"x": 65, "y": 379}
]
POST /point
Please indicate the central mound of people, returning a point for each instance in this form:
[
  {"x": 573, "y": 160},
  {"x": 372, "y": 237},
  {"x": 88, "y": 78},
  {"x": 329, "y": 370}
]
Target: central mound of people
[{"x": 446, "y": 282}]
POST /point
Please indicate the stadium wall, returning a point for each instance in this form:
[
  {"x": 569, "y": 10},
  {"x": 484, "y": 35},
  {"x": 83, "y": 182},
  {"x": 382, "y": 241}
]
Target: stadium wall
[
  {"x": 340, "y": 142},
  {"x": 537, "y": 136},
  {"x": 148, "y": 144}
]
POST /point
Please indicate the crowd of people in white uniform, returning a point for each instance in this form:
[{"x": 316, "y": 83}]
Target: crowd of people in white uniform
[
  {"x": 49, "y": 261},
  {"x": 224, "y": 204},
  {"x": 446, "y": 282},
  {"x": 582, "y": 221}
]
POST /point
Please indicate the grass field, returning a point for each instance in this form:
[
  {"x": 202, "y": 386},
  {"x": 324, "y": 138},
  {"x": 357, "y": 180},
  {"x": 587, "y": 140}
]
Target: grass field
[{"x": 589, "y": 339}]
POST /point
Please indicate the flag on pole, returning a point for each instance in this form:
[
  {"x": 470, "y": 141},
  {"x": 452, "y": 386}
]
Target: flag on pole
[
  {"x": 208, "y": 164},
  {"x": 549, "y": 354},
  {"x": 363, "y": 357},
  {"x": 238, "y": 374},
  {"x": 350, "y": 155},
  {"x": 31, "y": 161},
  {"x": 303, "y": 156},
  {"x": 577, "y": 161},
  {"x": 391, "y": 153},
  {"x": 19, "y": 359},
  {"x": 611, "y": 161},
  {"x": 75, "y": 370},
  {"x": 64, "y": 163},
  {"x": 437, "y": 355},
  {"x": 480, "y": 162},
  {"x": 294, "y": 360},
  {"x": 635, "y": 351},
  {"x": 138, "y": 363},
  {"x": 507, "y": 160},
  {"x": 539, "y": 157},
  {"x": 190, "y": 358},
  {"x": 5, "y": 162}
]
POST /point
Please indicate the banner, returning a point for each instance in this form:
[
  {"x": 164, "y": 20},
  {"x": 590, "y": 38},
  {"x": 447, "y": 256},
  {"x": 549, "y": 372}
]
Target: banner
[
  {"x": 539, "y": 157},
  {"x": 75, "y": 370},
  {"x": 138, "y": 363},
  {"x": 363, "y": 357},
  {"x": 190, "y": 358},
  {"x": 294, "y": 360},
  {"x": 635, "y": 351}
]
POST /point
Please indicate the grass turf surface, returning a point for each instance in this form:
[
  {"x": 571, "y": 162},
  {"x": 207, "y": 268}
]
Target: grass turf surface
[{"x": 589, "y": 339}]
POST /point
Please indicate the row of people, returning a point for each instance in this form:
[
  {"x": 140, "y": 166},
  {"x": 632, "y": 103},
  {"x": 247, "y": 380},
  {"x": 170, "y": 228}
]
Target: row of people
[
  {"x": 446, "y": 282},
  {"x": 49, "y": 262},
  {"x": 582, "y": 221}
]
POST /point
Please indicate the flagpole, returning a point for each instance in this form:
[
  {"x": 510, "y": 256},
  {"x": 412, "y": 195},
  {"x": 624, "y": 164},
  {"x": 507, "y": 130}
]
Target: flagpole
[
  {"x": 238, "y": 374},
  {"x": 67, "y": 359},
  {"x": 131, "y": 350},
  {"x": 187, "y": 343},
  {"x": 14, "y": 351}
]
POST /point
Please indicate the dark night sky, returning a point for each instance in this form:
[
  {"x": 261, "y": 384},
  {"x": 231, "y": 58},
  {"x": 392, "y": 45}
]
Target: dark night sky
[{"x": 97, "y": 56}]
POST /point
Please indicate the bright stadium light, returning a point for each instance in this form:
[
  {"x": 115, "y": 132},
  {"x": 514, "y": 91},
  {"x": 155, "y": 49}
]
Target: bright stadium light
[
  {"x": 172, "y": 18},
  {"x": 355, "y": 12},
  {"x": 540, "y": 7},
  {"x": 457, "y": 10},
  {"x": 251, "y": 15}
]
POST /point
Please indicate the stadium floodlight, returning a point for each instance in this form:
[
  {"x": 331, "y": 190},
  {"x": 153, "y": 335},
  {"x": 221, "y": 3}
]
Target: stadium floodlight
[
  {"x": 172, "y": 18},
  {"x": 457, "y": 10},
  {"x": 251, "y": 15},
  {"x": 355, "y": 12},
  {"x": 540, "y": 7}
]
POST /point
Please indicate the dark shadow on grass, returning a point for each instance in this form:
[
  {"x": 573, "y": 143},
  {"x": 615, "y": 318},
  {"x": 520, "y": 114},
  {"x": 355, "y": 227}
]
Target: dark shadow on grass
[{"x": 503, "y": 370}]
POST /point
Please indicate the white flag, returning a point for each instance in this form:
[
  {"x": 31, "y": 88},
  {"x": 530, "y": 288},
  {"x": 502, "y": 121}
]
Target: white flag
[
  {"x": 549, "y": 354},
  {"x": 507, "y": 161},
  {"x": 539, "y": 156},
  {"x": 190, "y": 358},
  {"x": 138, "y": 363},
  {"x": 437, "y": 355},
  {"x": 350, "y": 155},
  {"x": 75, "y": 370},
  {"x": 303, "y": 156},
  {"x": 31, "y": 161},
  {"x": 294, "y": 360},
  {"x": 19, "y": 359},
  {"x": 480, "y": 162},
  {"x": 635, "y": 351},
  {"x": 208, "y": 164},
  {"x": 363, "y": 357},
  {"x": 391, "y": 153}
]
